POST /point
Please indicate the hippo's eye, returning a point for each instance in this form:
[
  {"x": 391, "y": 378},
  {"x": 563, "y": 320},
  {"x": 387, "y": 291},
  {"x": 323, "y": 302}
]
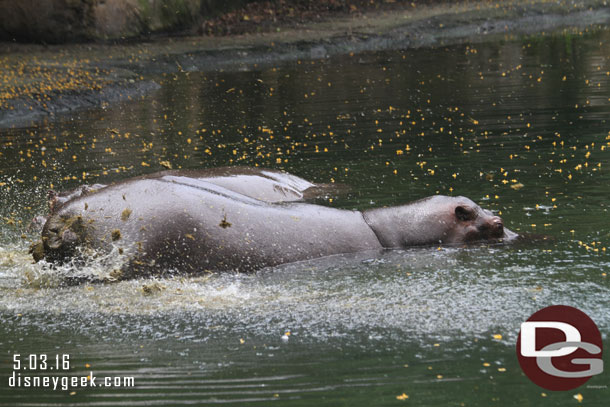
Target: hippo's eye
[{"x": 464, "y": 213}]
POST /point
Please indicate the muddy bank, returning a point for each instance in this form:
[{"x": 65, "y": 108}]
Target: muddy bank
[
  {"x": 42, "y": 81},
  {"x": 60, "y": 21},
  {"x": 31, "y": 110}
]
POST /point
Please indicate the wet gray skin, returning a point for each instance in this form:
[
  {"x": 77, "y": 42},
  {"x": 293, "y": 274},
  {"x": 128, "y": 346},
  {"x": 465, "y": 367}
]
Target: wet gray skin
[
  {"x": 55, "y": 199},
  {"x": 170, "y": 223},
  {"x": 259, "y": 183},
  {"x": 436, "y": 219}
]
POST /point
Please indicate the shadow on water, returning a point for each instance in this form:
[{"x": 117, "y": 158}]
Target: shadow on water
[{"x": 520, "y": 127}]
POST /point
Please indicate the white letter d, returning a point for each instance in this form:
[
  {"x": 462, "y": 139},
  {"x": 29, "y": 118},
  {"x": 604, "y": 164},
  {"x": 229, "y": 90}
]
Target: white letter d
[{"x": 528, "y": 338}]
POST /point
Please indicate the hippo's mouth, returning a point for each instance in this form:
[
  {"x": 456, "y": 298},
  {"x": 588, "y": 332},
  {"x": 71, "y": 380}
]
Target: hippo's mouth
[
  {"x": 489, "y": 232},
  {"x": 493, "y": 230}
]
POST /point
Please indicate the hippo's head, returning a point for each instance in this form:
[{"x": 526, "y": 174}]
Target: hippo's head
[
  {"x": 471, "y": 223},
  {"x": 61, "y": 234},
  {"x": 436, "y": 220}
]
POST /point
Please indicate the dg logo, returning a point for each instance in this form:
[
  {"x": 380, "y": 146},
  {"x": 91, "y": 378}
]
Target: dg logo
[{"x": 560, "y": 348}]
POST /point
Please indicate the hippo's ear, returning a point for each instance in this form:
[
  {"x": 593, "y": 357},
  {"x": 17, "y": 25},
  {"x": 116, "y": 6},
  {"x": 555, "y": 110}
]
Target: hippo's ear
[{"x": 464, "y": 213}]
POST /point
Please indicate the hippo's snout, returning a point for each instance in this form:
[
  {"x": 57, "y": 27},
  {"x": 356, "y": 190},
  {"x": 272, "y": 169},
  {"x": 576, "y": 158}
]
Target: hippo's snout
[
  {"x": 497, "y": 226},
  {"x": 498, "y": 231},
  {"x": 489, "y": 228}
]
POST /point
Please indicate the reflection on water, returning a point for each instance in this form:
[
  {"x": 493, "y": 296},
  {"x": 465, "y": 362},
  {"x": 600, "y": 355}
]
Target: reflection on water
[{"x": 519, "y": 127}]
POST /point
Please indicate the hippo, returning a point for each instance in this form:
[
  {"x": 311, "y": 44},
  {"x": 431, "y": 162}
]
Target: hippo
[
  {"x": 56, "y": 199},
  {"x": 260, "y": 183},
  {"x": 176, "y": 224}
]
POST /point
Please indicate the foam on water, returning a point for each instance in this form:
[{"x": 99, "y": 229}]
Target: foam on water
[{"x": 413, "y": 293}]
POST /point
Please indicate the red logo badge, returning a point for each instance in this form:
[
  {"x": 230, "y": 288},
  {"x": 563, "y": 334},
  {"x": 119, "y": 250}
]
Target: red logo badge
[{"x": 560, "y": 348}]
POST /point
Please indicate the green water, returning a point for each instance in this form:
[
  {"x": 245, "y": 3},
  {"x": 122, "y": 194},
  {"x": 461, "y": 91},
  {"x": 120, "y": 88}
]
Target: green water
[{"x": 519, "y": 127}]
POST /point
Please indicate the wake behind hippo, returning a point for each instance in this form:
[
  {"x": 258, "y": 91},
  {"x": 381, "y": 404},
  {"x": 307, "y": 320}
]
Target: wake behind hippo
[{"x": 169, "y": 224}]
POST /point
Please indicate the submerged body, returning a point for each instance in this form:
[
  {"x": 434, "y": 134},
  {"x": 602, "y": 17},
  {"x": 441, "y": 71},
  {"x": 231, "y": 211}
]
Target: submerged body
[{"x": 177, "y": 224}]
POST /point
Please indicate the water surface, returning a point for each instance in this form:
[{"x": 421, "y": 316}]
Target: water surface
[{"x": 520, "y": 127}]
